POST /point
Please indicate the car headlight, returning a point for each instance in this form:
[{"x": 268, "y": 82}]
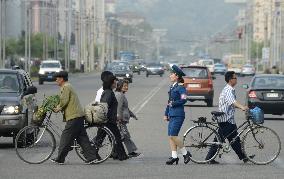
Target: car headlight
[
  {"x": 11, "y": 110},
  {"x": 127, "y": 75},
  {"x": 41, "y": 72}
]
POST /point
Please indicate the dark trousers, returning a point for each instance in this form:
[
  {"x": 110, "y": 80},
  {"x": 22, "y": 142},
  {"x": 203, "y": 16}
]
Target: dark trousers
[
  {"x": 225, "y": 129},
  {"x": 74, "y": 129},
  {"x": 119, "y": 151}
]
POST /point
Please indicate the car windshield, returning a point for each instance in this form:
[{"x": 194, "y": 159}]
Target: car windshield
[
  {"x": 50, "y": 65},
  {"x": 271, "y": 82},
  {"x": 219, "y": 65},
  {"x": 120, "y": 68},
  {"x": 9, "y": 83},
  {"x": 195, "y": 72}
]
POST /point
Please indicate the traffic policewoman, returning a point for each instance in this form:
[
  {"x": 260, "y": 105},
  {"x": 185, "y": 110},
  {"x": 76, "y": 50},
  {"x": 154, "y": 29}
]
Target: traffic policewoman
[{"x": 175, "y": 115}]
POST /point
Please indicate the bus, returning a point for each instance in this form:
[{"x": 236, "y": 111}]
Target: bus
[
  {"x": 126, "y": 56},
  {"x": 234, "y": 62}
]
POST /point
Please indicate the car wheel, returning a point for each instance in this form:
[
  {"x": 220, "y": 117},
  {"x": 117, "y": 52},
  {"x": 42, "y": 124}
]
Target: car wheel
[
  {"x": 147, "y": 75},
  {"x": 161, "y": 75},
  {"x": 139, "y": 73},
  {"x": 209, "y": 103},
  {"x": 40, "y": 81},
  {"x": 130, "y": 80}
]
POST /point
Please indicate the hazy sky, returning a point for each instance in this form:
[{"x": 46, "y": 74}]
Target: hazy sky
[{"x": 185, "y": 19}]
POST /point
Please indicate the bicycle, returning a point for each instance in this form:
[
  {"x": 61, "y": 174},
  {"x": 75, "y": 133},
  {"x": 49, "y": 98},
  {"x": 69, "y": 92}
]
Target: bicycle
[
  {"x": 36, "y": 144},
  {"x": 261, "y": 145}
]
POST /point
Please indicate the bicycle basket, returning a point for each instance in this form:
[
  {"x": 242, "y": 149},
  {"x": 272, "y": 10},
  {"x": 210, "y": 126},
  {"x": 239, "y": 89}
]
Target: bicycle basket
[
  {"x": 257, "y": 115},
  {"x": 38, "y": 117}
]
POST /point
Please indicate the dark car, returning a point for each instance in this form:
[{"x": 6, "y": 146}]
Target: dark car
[
  {"x": 17, "y": 101},
  {"x": 199, "y": 84},
  {"x": 267, "y": 92},
  {"x": 154, "y": 69},
  {"x": 122, "y": 72}
]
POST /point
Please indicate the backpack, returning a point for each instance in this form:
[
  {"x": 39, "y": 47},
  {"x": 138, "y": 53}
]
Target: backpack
[{"x": 96, "y": 112}]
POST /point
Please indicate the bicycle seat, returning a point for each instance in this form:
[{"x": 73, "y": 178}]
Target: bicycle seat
[{"x": 217, "y": 113}]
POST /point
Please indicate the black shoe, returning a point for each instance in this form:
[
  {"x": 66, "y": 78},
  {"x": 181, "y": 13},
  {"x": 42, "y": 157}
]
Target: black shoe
[
  {"x": 133, "y": 154},
  {"x": 172, "y": 161},
  {"x": 186, "y": 157},
  {"x": 121, "y": 158},
  {"x": 245, "y": 160},
  {"x": 54, "y": 160},
  {"x": 213, "y": 162}
]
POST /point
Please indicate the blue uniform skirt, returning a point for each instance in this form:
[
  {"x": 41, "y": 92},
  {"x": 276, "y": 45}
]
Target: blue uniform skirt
[{"x": 174, "y": 126}]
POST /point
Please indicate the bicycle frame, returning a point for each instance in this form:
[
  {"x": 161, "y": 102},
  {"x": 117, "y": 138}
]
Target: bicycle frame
[{"x": 247, "y": 126}]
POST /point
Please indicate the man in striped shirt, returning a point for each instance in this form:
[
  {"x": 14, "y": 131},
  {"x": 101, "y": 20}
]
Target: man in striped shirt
[{"x": 227, "y": 124}]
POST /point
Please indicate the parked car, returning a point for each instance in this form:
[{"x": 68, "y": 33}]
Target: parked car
[
  {"x": 47, "y": 70},
  {"x": 135, "y": 67},
  {"x": 17, "y": 101},
  {"x": 154, "y": 69},
  {"x": 248, "y": 69},
  {"x": 122, "y": 72},
  {"x": 220, "y": 68},
  {"x": 267, "y": 92},
  {"x": 199, "y": 84}
]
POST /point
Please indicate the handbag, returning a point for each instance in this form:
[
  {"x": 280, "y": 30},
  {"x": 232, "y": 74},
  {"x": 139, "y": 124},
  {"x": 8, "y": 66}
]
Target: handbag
[{"x": 96, "y": 112}]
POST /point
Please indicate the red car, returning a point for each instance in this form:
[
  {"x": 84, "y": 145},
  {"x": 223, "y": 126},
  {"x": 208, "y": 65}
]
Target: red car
[{"x": 199, "y": 84}]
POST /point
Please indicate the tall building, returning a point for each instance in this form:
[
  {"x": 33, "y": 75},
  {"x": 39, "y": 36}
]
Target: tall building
[{"x": 262, "y": 19}]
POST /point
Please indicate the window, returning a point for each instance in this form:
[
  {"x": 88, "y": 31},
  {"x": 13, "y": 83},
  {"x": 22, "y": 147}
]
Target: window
[
  {"x": 196, "y": 72},
  {"x": 9, "y": 83}
]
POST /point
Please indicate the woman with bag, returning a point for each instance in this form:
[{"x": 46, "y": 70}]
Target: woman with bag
[
  {"x": 123, "y": 116},
  {"x": 108, "y": 96}
]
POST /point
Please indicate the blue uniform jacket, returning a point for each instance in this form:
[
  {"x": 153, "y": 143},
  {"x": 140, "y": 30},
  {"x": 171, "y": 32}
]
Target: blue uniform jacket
[{"x": 177, "y": 95}]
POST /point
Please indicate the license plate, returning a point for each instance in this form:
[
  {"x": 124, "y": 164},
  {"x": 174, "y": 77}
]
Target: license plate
[
  {"x": 272, "y": 95},
  {"x": 49, "y": 76},
  {"x": 193, "y": 85}
]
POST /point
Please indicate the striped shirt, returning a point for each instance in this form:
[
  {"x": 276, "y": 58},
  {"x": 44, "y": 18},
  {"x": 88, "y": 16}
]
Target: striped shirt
[{"x": 226, "y": 104}]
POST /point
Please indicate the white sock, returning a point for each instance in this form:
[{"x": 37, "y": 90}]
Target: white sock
[
  {"x": 174, "y": 154},
  {"x": 183, "y": 151}
]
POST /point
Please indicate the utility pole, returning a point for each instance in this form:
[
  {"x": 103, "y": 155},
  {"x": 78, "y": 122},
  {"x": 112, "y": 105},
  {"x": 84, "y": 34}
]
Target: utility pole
[
  {"x": 1, "y": 24},
  {"x": 4, "y": 32}
]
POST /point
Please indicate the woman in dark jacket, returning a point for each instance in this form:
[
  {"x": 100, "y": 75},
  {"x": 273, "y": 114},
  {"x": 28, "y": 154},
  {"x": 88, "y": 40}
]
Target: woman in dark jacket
[{"x": 108, "y": 96}]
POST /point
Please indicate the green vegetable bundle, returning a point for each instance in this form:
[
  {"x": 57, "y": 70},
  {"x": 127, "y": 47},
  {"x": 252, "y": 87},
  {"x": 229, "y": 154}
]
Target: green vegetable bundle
[{"x": 48, "y": 104}]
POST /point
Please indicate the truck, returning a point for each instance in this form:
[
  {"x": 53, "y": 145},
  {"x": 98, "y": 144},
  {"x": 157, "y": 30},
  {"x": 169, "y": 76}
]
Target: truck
[{"x": 234, "y": 62}]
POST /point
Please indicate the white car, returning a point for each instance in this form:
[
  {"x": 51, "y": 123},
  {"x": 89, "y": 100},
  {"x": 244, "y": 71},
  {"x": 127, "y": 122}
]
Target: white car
[
  {"x": 47, "y": 70},
  {"x": 248, "y": 69},
  {"x": 209, "y": 63}
]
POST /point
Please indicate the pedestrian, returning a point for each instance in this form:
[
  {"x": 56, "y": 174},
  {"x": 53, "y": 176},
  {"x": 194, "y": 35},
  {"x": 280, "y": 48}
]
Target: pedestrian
[
  {"x": 123, "y": 116},
  {"x": 175, "y": 114},
  {"x": 101, "y": 90},
  {"x": 108, "y": 96},
  {"x": 226, "y": 122},
  {"x": 73, "y": 115}
]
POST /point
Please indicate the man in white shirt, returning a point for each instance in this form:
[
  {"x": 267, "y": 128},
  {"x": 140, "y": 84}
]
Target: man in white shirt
[{"x": 226, "y": 122}]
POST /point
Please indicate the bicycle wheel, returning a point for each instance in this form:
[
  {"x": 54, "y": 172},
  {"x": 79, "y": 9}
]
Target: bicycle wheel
[
  {"x": 261, "y": 145},
  {"x": 34, "y": 144},
  {"x": 102, "y": 140},
  {"x": 198, "y": 141}
]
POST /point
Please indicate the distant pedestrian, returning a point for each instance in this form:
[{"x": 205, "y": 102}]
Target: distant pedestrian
[
  {"x": 123, "y": 116},
  {"x": 175, "y": 114}
]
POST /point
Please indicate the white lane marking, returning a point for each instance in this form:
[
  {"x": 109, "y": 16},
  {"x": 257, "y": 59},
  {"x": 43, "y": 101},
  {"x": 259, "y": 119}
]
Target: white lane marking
[
  {"x": 279, "y": 162},
  {"x": 148, "y": 97}
]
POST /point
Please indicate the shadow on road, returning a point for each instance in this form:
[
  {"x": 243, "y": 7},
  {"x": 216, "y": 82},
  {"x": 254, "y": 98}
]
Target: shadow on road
[
  {"x": 6, "y": 146},
  {"x": 274, "y": 119}
]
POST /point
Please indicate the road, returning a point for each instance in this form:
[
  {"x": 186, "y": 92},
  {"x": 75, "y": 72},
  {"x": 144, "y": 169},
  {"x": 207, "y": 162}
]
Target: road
[{"x": 147, "y": 98}]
